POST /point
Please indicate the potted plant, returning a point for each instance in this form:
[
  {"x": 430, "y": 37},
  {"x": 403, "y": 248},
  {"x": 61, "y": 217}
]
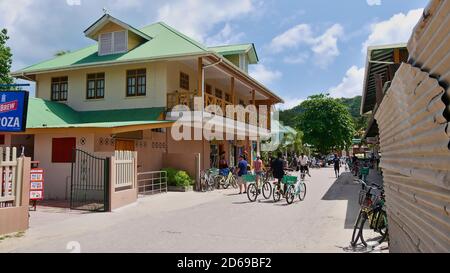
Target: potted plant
[{"x": 178, "y": 180}]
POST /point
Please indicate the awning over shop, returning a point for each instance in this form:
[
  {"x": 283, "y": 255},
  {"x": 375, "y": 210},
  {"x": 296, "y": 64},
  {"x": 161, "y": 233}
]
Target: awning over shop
[
  {"x": 382, "y": 62},
  {"x": 43, "y": 115}
]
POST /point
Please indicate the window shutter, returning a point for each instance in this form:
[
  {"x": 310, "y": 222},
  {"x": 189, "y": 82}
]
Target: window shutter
[
  {"x": 120, "y": 41},
  {"x": 106, "y": 43}
]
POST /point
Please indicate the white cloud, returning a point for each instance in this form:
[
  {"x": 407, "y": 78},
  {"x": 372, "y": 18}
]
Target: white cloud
[
  {"x": 296, "y": 59},
  {"x": 396, "y": 29},
  {"x": 264, "y": 74},
  {"x": 197, "y": 18},
  {"x": 290, "y": 103},
  {"x": 292, "y": 38},
  {"x": 373, "y": 2},
  {"x": 324, "y": 46},
  {"x": 228, "y": 35},
  {"x": 351, "y": 85}
]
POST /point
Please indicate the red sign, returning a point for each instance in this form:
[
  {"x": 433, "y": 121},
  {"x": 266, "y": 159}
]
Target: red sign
[
  {"x": 36, "y": 184},
  {"x": 8, "y": 106}
]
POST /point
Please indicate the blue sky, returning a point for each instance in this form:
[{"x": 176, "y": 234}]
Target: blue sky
[{"x": 305, "y": 47}]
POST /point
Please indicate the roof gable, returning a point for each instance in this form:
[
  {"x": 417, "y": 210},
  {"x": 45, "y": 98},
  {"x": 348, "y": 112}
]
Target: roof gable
[{"x": 248, "y": 49}]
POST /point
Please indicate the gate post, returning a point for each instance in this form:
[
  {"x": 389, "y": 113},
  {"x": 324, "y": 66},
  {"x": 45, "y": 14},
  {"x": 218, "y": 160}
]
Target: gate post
[{"x": 107, "y": 185}]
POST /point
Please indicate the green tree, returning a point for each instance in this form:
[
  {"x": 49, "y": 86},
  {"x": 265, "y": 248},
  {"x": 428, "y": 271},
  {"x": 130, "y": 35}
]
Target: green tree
[
  {"x": 5, "y": 58},
  {"x": 326, "y": 123},
  {"x": 61, "y": 53}
]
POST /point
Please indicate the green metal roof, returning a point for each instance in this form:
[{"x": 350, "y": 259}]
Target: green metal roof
[
  {"x": 49, "y": 114},
  {"x": 166, "y": 42},
  {"x": 237, "y": 49}
]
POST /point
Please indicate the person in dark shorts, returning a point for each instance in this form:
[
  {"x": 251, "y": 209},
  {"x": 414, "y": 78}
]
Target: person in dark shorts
[
  {"x": 277, "y": 166},
  {"x": 337, "y": 165}
]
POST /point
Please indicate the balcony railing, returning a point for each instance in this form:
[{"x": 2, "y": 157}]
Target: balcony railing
[{"x": 187, "y": 98}]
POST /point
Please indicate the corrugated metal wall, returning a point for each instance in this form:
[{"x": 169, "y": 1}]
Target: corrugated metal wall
[{"x": 414, "y": 129}]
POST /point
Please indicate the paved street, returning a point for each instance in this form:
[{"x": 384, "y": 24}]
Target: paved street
[{"x": 219, "y": 221}]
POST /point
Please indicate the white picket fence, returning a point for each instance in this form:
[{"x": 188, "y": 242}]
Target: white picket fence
[
  {"x": 125, "y": 169},
  {"x": 10, "y": 177}
]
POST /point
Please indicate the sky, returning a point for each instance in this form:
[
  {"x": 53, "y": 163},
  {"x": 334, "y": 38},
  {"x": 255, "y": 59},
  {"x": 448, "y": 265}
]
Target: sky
[{"x": 305, "y": 47}]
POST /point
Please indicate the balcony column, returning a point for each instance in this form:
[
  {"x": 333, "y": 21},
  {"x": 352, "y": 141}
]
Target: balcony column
[
  {"x": 200, "y": 77},
  {"x": 232, "y": 91}
]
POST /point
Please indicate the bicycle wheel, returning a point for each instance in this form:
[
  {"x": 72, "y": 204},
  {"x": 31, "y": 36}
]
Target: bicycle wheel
[
  {"x": 290, "y": 194},
  {"x": 252, "y": 192},
  {"x": 362, "y": 196},
  {"x": 381, "y": 225},
  {"x": 267, "y": 190},
  {"x": 302, "y": 193},
  {"x": 219, "y": 181},
  {"x": 276, "y": 193},
  {"x": 358, "y": 229},
  {"x": 233, "y": 182},
  {"x": 210, "y": 182}
]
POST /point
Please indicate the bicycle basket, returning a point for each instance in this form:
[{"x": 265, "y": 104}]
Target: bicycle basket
[
  {"x": 248, "y": 178},
  {"x": 290, "y": 180},
  {"x": 365, "y": 171}
]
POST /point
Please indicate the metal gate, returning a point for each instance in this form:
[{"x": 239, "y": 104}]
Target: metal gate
[{"x": 89, "y": 187}]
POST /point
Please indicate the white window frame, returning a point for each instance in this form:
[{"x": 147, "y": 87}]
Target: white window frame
[{"x": 113, "y": 43}]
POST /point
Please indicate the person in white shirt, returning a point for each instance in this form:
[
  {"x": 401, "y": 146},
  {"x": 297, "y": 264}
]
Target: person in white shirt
[{"x": 303, "y": 160}]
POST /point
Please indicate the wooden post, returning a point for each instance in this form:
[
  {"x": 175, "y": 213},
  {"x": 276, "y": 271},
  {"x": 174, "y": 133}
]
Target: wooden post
[
  {"x": 232, "y": 91},
  {"x": 269, "y": 111},
  {"x": 253, "y": 97},
  {"x": 199, "y": 76},
  {"x": 396, "y": 55}
]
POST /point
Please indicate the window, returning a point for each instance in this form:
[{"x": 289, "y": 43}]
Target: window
[
  {"x": 209, "y": 89},
  {"x": 95, "y": 86},
  {"x": 59, "y": 88},
  {"x": 2, "y": 139},
  {"x": 219, "y": 93},
  {"x": 228, "y": 97},
  {"x": 113, "y": 42},
  {"x": 136, "y": 82},
  {"x": 241, "y": 102},
  {"x": 62, "y": 149},
  {"x": 184, "y": 81}
]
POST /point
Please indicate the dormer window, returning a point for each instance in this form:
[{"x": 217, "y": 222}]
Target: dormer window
[{"x": 113, "y": 42}]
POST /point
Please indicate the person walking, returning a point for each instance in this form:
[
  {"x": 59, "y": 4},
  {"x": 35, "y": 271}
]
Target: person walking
[
  {"x": 242, "y": 170},
  {"x": 337, "y": 165}
]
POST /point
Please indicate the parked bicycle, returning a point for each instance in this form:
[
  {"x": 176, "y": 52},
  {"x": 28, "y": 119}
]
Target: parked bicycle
[
  {"x": 227, "y": 180},
  {"x": 207, "y": 179},
  {"x": 372, "y": 212}
]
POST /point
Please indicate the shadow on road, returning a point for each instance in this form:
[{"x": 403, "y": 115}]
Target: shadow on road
[{"x": 345, "y": 189}]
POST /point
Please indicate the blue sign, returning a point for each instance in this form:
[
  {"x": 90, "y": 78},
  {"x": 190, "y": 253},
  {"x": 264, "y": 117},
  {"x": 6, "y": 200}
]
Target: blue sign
[{"x": 13, "y": 111}]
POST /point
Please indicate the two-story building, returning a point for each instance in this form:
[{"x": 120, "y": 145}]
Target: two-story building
[{"x": 118, "y": 94}]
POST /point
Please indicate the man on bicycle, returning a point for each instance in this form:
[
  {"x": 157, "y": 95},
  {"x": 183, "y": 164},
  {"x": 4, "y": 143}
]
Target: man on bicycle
[
  {"x": 277, "y": 167},
  {"x": 303, "y": 159}
]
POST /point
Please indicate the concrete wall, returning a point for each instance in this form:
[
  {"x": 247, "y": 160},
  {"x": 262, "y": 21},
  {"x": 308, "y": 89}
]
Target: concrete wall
[
  {"x": 413, "y": 120},
  {"x": 115, "y": 87},
  {"x": 15, "y": 219}
]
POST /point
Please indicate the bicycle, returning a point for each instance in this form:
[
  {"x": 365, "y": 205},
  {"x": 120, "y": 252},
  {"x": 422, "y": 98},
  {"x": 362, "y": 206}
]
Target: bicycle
[
  {"x": 372, "y": 209},
  {"x": 226, "y": 180},
  {"x": 253, "y": 190},
  {"x": 295, "y": 188},
  {"x": 207, "y": 179}
]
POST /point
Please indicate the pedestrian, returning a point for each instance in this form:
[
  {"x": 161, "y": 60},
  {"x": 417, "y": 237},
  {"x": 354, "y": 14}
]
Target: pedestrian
[
  {"x": 258, "y": 167},
  {"x": 337, "y": 165},
  {"x": 223, "y": 165},
  {"x": 277, "y": 166},
  {"x": 242, "y": 170}
]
